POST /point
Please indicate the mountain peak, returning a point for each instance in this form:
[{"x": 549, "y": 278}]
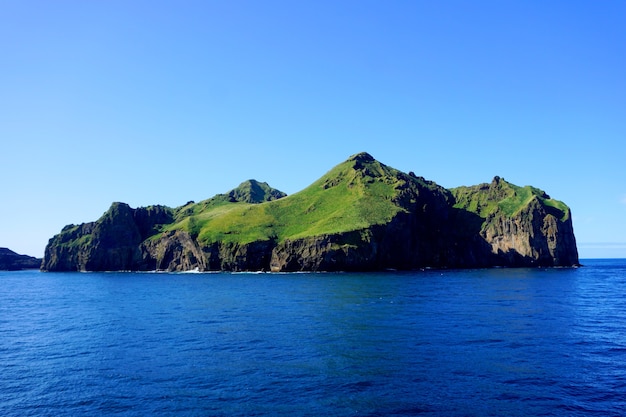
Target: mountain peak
[
  {"x": 362, "y": 157},
  {"x": 253, "y": 191}
]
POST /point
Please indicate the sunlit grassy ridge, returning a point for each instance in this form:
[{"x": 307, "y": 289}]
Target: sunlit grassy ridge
[
  {"x": 484, "y": 199},
  {"x": 352, "y": 196}
]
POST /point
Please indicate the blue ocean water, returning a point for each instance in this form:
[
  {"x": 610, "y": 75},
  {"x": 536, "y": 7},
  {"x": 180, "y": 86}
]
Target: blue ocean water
[{"x": 488, "y": 342}]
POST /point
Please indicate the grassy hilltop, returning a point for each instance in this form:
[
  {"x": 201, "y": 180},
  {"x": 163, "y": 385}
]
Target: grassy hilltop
[
  {"x": 354, "y": 195},
  {"x": 502, "y": 196}
]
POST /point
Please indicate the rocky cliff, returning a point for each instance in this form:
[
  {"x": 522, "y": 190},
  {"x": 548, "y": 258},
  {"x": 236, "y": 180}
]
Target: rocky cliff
[
  {"x": 110, "y": 244},
  {"x": 361, "y": 215},
  {"x": 11, "y": 261},
  {"x": 520, "y": 226}
]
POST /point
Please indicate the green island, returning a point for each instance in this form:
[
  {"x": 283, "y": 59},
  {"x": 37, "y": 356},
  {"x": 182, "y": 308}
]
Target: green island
[{"x": 360, "y": 215}]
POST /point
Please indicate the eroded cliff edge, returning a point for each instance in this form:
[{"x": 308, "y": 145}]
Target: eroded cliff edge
[{"x": 361, "y": 215}]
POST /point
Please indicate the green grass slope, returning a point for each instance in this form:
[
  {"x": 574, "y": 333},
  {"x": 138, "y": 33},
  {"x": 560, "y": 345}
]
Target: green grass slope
[
  {"x": 509, "y": 199},
  {"x": 353, "y": 195}
]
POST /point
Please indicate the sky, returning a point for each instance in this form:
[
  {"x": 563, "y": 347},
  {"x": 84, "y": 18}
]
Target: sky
[{"x": 162, "y": 102}]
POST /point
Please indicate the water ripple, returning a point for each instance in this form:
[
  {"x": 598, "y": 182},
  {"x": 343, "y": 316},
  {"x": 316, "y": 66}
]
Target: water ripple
[{"x": 436, "y": 343}]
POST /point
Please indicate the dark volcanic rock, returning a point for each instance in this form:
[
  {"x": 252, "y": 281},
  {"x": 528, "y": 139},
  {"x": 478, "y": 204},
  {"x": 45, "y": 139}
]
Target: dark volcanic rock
[
  {"x": 11, "y": 261},
  {"x": 532, "y": 237},
  {"x": 110, "y": 244},
  {"x": 537, "y": 234},
  {"x": 174, "y": 251}
]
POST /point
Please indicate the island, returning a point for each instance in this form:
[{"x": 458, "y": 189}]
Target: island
[
  {"x": 362, "y": 215},
  {"x": 11, "y": 261}
]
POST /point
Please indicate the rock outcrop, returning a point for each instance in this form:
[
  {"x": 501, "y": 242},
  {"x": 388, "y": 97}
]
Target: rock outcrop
[
  {"x": 522, "y": 226},
  {"x": 11, "y": 261},
  {"x": 110, "y": 244},
  {"x": 362, "y": 215}
]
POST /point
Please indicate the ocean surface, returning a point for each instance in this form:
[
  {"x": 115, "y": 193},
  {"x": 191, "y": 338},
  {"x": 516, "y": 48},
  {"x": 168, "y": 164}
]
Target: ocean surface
[{"x": 489, "y": 342}]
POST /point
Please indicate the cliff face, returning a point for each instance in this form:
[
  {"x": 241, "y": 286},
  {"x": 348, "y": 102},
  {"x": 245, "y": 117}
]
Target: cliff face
[
  {"x": 110, "y": 244},
  {"x": 531, "y": 237},
  {"x": 362, "y": 215},
  {"x": 520, "y": 226},
  {"x": 11, "y": 261}
]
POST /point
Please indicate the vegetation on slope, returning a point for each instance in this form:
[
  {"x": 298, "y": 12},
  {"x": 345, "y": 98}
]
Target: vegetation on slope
[
  {"x": 485, "y": 199},
  {"x": 352, "y": 196}
]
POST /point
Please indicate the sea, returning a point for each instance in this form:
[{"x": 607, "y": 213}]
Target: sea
[{"x": 479, "y": 342}]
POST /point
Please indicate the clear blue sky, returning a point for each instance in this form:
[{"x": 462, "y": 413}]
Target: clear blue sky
[{"x": 161, "y": 102}]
